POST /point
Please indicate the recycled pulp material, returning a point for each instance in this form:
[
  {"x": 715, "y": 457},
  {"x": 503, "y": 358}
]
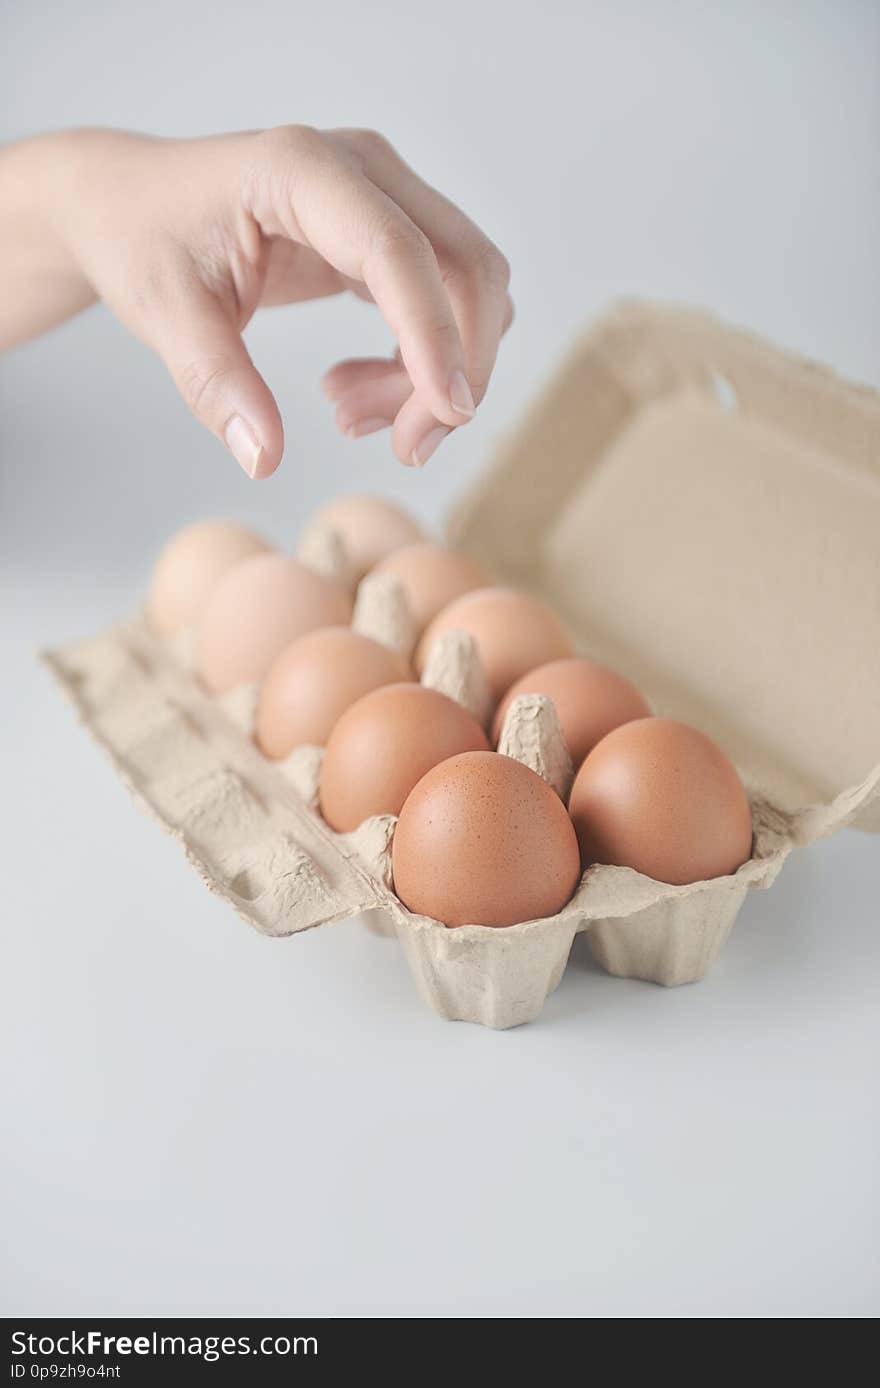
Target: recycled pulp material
[{"x": 703, "y": 510}]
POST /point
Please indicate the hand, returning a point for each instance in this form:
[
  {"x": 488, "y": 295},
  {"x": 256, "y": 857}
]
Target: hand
[{"x": 185, "y": 239}]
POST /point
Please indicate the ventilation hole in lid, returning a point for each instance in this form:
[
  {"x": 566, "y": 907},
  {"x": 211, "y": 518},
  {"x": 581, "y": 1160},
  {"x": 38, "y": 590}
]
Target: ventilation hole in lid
[{"x": 723, "y": 391}]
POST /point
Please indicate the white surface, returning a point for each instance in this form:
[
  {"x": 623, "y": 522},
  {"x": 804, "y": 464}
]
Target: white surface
[{"x": 200, "y": 1120}]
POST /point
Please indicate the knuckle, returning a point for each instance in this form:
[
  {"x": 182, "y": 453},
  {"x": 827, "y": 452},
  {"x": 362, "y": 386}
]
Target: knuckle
[
  {"x": 373, "y": 142},
  {"x": 398, "y": 236},
  {"x": 198, "y": 381},
  {"x": 358, "y": 148},
  {"x": 493, "y": 264},
  {"x": 285, "y": 141},
  {"x": 480, "y": 268},
  {"x": 502, "y": 268}
]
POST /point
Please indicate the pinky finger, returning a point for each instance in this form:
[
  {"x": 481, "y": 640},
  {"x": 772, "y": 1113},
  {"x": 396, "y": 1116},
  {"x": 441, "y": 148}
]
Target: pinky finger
[
  {"x": 354, "y": 372},
  {"x": 373, "y": 405}
]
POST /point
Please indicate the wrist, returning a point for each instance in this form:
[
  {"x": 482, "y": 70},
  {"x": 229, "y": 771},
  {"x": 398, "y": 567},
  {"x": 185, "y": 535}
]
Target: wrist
[
  {"x": 38, "y": 183},
  {"x": 34, "y": 235}
]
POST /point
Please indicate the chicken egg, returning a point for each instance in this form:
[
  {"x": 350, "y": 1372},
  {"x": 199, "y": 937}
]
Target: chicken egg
[
  {"x": 256, "y": 610},
  {"x": 383, "y": 744},
  {"x": 431, "y": 576},
  {"x": 369, "y": 528},
  {"x": 661, "y": 797},
  {"x": 482, "y": 840},
  {"x": 513, "y": 631},
  {"x": 190, "y": 567},
  {"x": 590, "y": 700},
  {"x": 314, "y": 680}
]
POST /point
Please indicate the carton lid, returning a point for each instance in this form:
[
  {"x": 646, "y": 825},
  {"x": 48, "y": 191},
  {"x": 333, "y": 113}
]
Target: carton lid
[{"x": 704, "y": 509}]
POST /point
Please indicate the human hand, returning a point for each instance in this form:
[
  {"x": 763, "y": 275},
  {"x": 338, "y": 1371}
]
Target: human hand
[{"x": 185, "y": 239}]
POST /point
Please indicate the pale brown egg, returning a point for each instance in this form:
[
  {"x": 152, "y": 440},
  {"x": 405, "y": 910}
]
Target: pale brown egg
[
  {"x": 513, "y": 631},
  {"x": 190, "y": 567},
  {"x": 590, "y": 700},
  {"x": 661, "y": 797},
  {"x": 432, "y": 576},
  {"x": 482, "y": 840},
  {"x": 314, "y": 680},
  {"x": 369, "y": 528},
  {"x": 386, "y": 742},
  {"x": 261, "y": 605}
]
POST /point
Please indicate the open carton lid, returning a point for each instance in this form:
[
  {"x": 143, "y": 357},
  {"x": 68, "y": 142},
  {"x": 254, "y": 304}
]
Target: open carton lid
[{"x": 704, "y": 510}]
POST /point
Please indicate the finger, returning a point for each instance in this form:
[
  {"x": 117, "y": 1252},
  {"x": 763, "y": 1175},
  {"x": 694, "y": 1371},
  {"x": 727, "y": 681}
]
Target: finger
[
  {"x": 376, "y": 402},
  {"x": 475, "y": 273},
  {"x": 212, "y": 370},
  {"x": 417, "y": 434},
  {"x": 331, "y": 206},
  {"x": 356, "y": 371},
  {"x": 479, "y": 312}
]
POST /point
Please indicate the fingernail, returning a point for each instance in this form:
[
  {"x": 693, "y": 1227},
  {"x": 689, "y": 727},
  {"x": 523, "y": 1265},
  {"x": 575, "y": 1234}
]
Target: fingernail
[
  {"x": 366, "y": 426},
  {"x": 460, "y": 394},
  {"x": 428, "y": 445},
  {"x": 331, "y": 391},
  {"x": 243, "y": 444}
]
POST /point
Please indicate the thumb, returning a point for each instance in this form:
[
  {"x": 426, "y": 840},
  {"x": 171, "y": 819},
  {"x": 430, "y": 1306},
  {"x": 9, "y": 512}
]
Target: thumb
[{"x": 212, "y": 369}]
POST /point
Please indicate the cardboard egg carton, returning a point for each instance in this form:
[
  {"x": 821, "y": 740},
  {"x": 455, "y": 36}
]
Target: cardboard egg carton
[{"x": 703, "y": 510}]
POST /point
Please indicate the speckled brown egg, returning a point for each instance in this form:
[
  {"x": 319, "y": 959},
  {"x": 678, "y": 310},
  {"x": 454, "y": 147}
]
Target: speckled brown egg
[
  {"x": 314, "y": 680},
  {"x": 482, "y": 840},
  {"x": 661, "y": 797},
  {"x": 589, "y": 698},
  {"x": 369, "y": 528},
  {"x": 432, "y": 576},
  {"x": 384, "y": 744},
  {"x": 259, "y": 607},
  {"x": 190, "y": 567},
  {"x": 513, "y": 631}
]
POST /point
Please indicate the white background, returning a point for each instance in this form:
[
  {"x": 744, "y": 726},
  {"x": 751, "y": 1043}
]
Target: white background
[{"x": 200, "y": 1120}]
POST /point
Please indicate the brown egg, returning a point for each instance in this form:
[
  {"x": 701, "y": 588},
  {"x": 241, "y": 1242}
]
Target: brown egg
[
  {"x": 514, "y": 633},
  {"x": 369, "y": 528},
  {"x": 661, "y": 797},
  {"x": 589, "y": 699},
  {"x": 314, "y": 680},
  {"x": 259, "y": 607},
  {"x": 431, "y": 576},
  {"x": 190, "y": 567},
  {"x": 482, "y": 840},
  {"x": 386, "y": 742}
]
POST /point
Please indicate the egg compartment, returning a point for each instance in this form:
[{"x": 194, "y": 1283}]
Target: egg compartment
[
  {"x": 708, "y": 526},
  {"x": 252, "y": 829}
]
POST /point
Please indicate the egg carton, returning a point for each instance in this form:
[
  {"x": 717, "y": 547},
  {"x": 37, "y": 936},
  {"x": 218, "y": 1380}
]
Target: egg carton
[
  {"x": 744, "y": 606},
  {"x": 253, "y": 829}
]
